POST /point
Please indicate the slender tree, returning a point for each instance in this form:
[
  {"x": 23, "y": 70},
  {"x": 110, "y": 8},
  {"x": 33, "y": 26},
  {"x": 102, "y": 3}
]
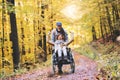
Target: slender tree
[
  {"x": 101, "y": 28},
  {"x": 3, "y": 25},
  {"x": 94, "y": 33},
  {"x": 14, "y": 35},
  {"x": 43, "y": 30},
  {"x": 109, "y": 18},
  {"x": 106, "y": 33},
  {"x": 101, "y": 22}
]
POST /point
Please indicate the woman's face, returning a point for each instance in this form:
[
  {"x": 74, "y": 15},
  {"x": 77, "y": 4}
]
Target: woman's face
[{"x": 60, "y": 37}]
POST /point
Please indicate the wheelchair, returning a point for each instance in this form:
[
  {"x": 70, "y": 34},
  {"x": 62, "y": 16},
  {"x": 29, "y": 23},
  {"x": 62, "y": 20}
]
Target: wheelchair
[{"x": 63, "y": 60}]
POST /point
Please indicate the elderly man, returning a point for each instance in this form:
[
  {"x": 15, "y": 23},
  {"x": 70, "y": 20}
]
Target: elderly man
[{"x": 59, "y": 30}]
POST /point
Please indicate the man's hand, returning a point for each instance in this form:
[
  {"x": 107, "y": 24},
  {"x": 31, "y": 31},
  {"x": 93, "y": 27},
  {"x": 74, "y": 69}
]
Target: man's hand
[
  {"x": 49, "y": 33},
  {"x": 64, "y": 44}
]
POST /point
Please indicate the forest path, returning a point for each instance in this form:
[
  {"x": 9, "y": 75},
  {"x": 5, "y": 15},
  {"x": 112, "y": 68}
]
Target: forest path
[{"x": 85, "y": 69}]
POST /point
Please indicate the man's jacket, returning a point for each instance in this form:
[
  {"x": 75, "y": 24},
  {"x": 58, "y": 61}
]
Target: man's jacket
[{"x": 54, "y": 33}]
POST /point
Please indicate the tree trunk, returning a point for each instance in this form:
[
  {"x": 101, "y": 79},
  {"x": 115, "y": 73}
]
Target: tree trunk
[
  {"x": 44, "y": 43},
  {"x": 101, "y": 28},
  {"x": 43, "y": 6},
  {"x": 101, "y": 23},
  {"x": 116, "y": 12},
  {"x": 3, "y": 25},
  {"x": 94, "y": 33},
  {"x": 113, "y": 14},
  {"x": 14, "y": 37},
  {"x": 109, "y": 19},
  {"x": 106, "y": 33},
  {"x": 51, "y": 21}
]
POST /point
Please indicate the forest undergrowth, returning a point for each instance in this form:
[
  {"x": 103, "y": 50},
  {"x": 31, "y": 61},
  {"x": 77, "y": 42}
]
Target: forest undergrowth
[
  {"x": 27, "y": 69},
  {"x": 107, "y": 57}
]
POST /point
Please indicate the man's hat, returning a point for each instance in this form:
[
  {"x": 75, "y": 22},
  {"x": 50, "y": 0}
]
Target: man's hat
[{"x": 58, "y": 24}]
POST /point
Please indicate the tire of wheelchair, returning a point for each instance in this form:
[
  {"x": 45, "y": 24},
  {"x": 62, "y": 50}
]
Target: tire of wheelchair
[
  {"x": 72, "y": 64},
  {"x": 72, "y": 67},
  {"x": 53, "y": 67}
]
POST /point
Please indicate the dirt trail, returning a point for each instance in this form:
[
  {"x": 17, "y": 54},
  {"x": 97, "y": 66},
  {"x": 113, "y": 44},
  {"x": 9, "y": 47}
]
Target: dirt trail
[{"x": 85, "y": 69}]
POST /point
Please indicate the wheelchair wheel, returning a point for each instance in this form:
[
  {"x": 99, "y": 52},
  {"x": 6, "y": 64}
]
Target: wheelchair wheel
[
  {"x": 72, "y": 67},
  {"x": 53, "y": 67}
]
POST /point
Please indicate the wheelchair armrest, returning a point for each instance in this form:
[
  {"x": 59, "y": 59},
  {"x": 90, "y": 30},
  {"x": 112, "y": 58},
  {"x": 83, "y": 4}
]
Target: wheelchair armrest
[{"x": 53, "y": 51}]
